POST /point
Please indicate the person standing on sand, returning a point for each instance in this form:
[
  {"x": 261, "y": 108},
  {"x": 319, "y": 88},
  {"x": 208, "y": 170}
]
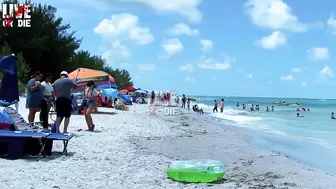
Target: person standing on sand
[
  {"x": 152, "y": 97},
  {"x": 222, "y": 106},
  {"x": 89, "y": 103},
  {"x": 184, "y": 101},
  {"x": 216, "y": 107},
  {"x": 34, "y": 95},
  {"x": 62, "y": 91},
  {"x": 188, "y": 102}
]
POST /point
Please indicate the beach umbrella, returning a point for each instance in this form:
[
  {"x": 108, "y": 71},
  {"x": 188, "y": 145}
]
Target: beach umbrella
[
  {"x": 9, "y": 91},
  {"x": 123, "y": 91},
  {"x": 86, "y": 74},
  {"x": 141, "y": 91},
  {"x": 110, "y": 92},
  {"x": 105, "y": 86},
  {"x": 130, "y": 89}
]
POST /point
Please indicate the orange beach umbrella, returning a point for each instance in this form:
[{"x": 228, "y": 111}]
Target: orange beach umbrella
[{"x": 86, "y": 74}]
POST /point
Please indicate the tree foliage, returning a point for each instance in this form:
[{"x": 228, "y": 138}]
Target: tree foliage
[{"x": 49, "y": 45}]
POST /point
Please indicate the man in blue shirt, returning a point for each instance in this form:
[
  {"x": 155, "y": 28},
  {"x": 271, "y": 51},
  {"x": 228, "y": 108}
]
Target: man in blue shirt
[{"x": 62, "y": 91}]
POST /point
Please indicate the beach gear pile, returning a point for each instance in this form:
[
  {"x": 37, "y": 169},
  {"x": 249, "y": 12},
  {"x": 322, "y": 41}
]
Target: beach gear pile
[{"x": 196, "y": 171}]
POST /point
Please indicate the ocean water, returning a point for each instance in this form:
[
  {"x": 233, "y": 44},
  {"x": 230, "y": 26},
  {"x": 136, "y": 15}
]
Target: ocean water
[{"x": 310, "y": 139}]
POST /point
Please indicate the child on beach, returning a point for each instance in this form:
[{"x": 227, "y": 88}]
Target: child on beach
[
  {"x": 222, "y": 105},
  {"x": 216, "y": 107}
]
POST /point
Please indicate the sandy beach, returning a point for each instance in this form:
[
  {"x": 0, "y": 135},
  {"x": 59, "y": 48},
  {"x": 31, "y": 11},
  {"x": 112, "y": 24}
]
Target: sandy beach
[{"x": 133, "y": 150}]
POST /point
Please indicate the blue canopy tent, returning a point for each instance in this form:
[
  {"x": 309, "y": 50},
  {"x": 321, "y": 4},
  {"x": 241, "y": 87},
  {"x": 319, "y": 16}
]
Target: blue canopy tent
[
  {"x": 9, "y": 91},
  {"x": 105, "y": 86}
]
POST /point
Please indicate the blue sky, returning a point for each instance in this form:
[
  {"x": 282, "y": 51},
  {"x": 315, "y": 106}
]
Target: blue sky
[{"x": 276, "y": 48}]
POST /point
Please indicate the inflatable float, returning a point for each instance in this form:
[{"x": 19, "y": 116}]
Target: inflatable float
[{"x": 198, "y": 170}]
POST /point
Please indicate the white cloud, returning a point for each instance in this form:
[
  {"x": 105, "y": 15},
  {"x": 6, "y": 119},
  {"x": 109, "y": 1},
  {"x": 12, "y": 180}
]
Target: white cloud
[
  {"x": 287, "y": 78},
  {"x": 183, "y": 29},
  {"x": 326, "y": 72},
  {"x": 324, "y": 75},
  {"x": 190, "y": 79},
  {"x": 303, "y": 83},
  {"x": 318, "y": 53},
  {"x": 171, "y": 47},
  {"x": 273, "y": 41},
  {"x": 296, "y": 70},
  {"x": 213, "y": 64},
  {"x": 250, "y": 75},
  {"x": 274, "y": 15},
  {"x": 186, "y": 8},
  {"x": 187, "y": 67},
  {"x": 206, "y": 45},
  {"x": 332, "y": 23},
  {"x": 146, "y": 67},
  {"x": 117, "y": 52},
  {"x": 124, "y": 26}
]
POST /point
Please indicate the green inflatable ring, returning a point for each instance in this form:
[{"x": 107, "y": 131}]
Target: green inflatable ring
[{"x": 197, "y": 171}]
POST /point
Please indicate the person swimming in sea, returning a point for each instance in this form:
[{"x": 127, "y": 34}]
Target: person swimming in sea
[
  {"x": 308, "y": 110},
  {"x": 272, "y": 109},
  {"x": 267, "y": 109},
  {"x": 332, "y": 115},
  {"x": 244, "y": 107},
  {"x": 304, "y": 109},
  {"x": 298, "y": 109},
  {"x": 257, "y": 107},
  {"x": 298, "y": 115},
  {"x": 252, "y": 108},
  {"x": 237, "y": 104}
]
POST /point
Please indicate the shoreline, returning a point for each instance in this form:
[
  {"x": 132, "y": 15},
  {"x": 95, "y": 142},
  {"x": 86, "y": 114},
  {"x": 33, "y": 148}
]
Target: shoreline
[{"x": 133, "y": 150}]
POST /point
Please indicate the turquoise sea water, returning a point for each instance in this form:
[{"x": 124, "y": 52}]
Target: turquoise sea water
[{"x": 310, "y": 139}]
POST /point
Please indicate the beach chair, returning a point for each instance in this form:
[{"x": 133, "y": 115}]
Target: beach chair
[{"x": 19, "y": 131}]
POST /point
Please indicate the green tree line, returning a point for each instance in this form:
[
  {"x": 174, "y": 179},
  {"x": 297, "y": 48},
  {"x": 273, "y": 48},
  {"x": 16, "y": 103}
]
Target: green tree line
[{"x": 49, "y": 45}]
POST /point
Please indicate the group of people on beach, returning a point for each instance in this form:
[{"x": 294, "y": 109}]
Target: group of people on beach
[{"x": 43, "y": 95}]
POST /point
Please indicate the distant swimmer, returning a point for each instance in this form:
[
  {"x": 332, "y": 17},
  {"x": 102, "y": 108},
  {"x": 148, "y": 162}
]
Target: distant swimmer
[
  {"x": 244, "y": 107},
  {"x": 267, "y": 109},
  {"x": 252, "y": 108},
  {"x": 222, "y": 105},
  {"x": 272, "y": 109},
  {"x": 304, "y": 109},
  {"x": 237, "y": 104},
  {"x": 308, "y": 110},
  {"x": 298, "y": 115},
  {"x": 332, "y": 115},
  {"x": 298, "y": 109},
  {"x": 257, "y": 107}
]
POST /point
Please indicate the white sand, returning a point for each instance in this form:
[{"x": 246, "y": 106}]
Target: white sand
[{"x": 133, "y": 149}]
